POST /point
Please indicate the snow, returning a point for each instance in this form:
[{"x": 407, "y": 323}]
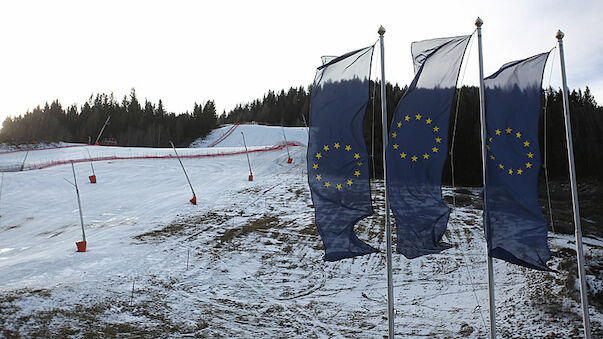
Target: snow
[{"x": 254, "y": 256}]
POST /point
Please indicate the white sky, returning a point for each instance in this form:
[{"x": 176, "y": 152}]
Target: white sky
[{"x": 235, "y": 51}]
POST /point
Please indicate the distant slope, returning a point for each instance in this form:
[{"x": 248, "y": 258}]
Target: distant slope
[{"x": 255, "y": 135}]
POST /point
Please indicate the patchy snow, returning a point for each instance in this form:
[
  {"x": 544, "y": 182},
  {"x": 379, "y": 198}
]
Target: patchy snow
[{"x": 254, "y": 257}]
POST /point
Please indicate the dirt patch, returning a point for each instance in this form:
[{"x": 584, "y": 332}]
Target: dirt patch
[
  {"x": 263, "y": 223},
  {"x": 184, "y": 226}
]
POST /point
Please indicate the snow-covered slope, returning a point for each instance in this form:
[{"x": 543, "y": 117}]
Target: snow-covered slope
[
  {"x": 254, "y": 258},
  {"x": 255, "y": 135}
]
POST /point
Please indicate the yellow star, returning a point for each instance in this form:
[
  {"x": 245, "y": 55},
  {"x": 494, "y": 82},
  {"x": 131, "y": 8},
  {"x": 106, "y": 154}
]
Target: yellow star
[
  {"x": 338, "y": 187},
  {"x": 438, "y": 140},
  {"x": 407, "y": 118},
  {"x": 359, "y": 164},
  {"x": 403, "y": 155},
  {"x": 318, "y": 177},
  {"x": 318, "y": 155},
  {"x": 497, "y": 132},
  {"x": 526, "y": 143},
  {"x": 327, "y": 184},
  {"x": 394, "y": 135},
  {"x": 434, "y": 149},
  {"x": 488, "y": 147},
  {"x": 425, "y": 156},
  {"x": 414, "y": 158},
  {"x": 418, "y": 116},
  {"x": 399, "y": 124},
  {"x": 490, "y": 139},
  {"x": 428, "y": 121},
  {"x": 492, "y": 157},
  {"x": 357, "y": 173},
  {"x": 528, "y": 165},
  {"x": 435, "y": 129},
  {"x": 347, "y": 148},
  {"x": 336, "y": 145},
  {"x": 356, "y": 156},
  {"x": 315, "y": 166},
  {"x": 518, "y": 135},
  {"x": 530, "y": 155},
  {"x": 510, "y": 171},
  {"x": 395, "y": 146},
  {"x": 501, "y": 166},
  {"x": 508, "y": 130},
  {"x": 350, "y": 182},
  {"x": 519, "y": 171},
  {"x": 326, "y": 148}
]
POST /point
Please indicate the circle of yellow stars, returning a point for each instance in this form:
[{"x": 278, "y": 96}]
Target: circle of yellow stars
[
  {"x": 417, "y": 118},
  {"x": 518, "y": 137},
  {"x": 330, "y": 148}
]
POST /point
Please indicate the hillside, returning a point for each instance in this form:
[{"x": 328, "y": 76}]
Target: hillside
[{"x": 246, "y": 261}]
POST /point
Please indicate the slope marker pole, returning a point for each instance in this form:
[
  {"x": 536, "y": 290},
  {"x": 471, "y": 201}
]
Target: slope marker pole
[
  {"x": 194, "y": 198},
  {"x": 388, "y": 227},
  {"x": 1, "y": 184},
  {"x": 572, "y": 170},
  {"x": 289, "y": 160},
  {"x": 247, "y": 154},
  {"x": 24, "y": 158},
  {"x": 102, "y": 129},
  {"x": 92, "y": 178},
  {"x": 81, "y": 245}
]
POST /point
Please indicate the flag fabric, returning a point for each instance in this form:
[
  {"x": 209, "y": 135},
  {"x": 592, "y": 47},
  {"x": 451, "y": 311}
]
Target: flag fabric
[
  {"x": 516, "y": 230},
  {"x": 417, "y": 147},
  {"x": 338, "y": 172}
]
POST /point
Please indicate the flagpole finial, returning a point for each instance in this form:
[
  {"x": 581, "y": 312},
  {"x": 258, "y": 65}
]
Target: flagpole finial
[
  {"x": 381, "y": 30},
  {"x": 479, "y": 22},
  {"x": 559, "y": 35}
]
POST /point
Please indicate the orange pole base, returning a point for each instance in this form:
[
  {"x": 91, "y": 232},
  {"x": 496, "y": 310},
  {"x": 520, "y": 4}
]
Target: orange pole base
[
  {"x": 81, "y": 246},
  {"x": 250, "y": 177},
  {"x": 289, "y": 160},
  {"x": 92, "y": 179},
  {"x": 194, "y": 200}
]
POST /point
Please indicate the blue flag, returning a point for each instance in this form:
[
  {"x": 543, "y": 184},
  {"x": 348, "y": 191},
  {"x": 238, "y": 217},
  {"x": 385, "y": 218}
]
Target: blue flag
[
  {"x": 515, "y": 230},
  {"x": 417, "y": 147},
  {"x": 338, "y": 172}
]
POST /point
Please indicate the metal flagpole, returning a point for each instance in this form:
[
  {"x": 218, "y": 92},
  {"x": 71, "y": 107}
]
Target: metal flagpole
[
  {"x": 482, "y": 109},
  {"x": 388, "y": 229},
  {"x": 572, "y": 170},
  {"x": 194, "y": 199},
  {"x": 247, "y": 154}
]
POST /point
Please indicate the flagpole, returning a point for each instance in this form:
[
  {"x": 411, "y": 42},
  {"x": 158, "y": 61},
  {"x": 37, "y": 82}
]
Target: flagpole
[
  {"x": 572, "y": 170},
  {"x": 388, "y": 229},
  {"x": 482, "y": 110}
]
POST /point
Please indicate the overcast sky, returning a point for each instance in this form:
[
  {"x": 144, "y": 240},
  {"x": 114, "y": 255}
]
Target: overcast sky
[{"x": 235, "y": 51}]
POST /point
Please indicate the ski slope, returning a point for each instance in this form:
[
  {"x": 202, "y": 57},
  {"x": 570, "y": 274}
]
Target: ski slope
[{"x": 254, "y": 257}]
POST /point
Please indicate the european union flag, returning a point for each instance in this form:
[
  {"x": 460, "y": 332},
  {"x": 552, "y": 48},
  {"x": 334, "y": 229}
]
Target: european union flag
[
  {"x": 515, "y": 230},
  {"x": 338, "y": 171},
  {"x": 417, "y": 147}
]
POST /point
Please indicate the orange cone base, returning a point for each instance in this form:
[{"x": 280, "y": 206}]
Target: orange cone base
[
  {"x": 194, "y": 200},
  {"x": 250, "y": 177},
  {"x": 92, "y": 179},
  {"x": 289, "y": 160},
  {"x": 81, "y": 246},
  {"x": 97, "y": 144}
]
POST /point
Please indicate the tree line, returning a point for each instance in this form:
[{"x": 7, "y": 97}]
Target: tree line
[
  {"x": 131, "y": 124},
  {"x": 291, "y": 108}
]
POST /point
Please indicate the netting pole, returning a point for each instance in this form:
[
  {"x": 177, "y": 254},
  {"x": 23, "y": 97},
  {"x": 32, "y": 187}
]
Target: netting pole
[
  {"x": 79, "y": 205},
  {"x": 388, "y": 228},
  {"x": 572, "y": 170},
  {"x": 289, "y": 160},
  {"x": 102, "y": 129},
  {"x": 247, "y": 154},
  {"x": 24, "y": 158},
  {"x": 194, "y": 199}
]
